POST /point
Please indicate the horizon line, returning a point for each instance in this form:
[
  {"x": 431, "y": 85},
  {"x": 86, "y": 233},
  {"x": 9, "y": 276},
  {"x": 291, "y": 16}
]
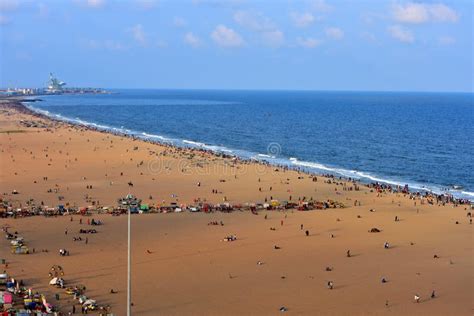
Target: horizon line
[{"x": 261, "y": 90}]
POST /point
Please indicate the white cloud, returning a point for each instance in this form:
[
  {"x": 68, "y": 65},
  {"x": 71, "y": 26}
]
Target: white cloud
[
  {"x": 113, "y": 45},
  {"x": 273, "y": 38},
  {"x": 95, "y": 3},
  {"x": 43, "y": 10},
  {"x": 410, "y": 13},
  {"x": 226, "y": 37},
  {"x": 106, "y": 44},
  {"x": 446, "y": 40},
  {"x": 334, "y": 33},
  {"x": 308, "y": 42},
  {"x": 402, "y": 34},
  {"x": 179, "y": 22},
  {"x": 4, "y": 20},
  {"x": 371, "y": 17},
  {"x": 253, "y": 21},
  {"x": 161, "y": 44},
  {"x": 93, "y": 44},
  {"x": 417, "y": 12},
  {"x": 146, "y": 4},
  {"x": 138, "y": 34},
  {"x": 302, "y": 19},
  {"x": 23, "y": 56},
  {"x": 368, "y": 36},
  {"x": 192, "y": 40},
  {"x": 9, "y": 5},
  {"x": 442, "y": 13},
  {"x": 218, "y": 3},
  {"x": 321, "y": 6},
  {"x": 262, "y": 25}
]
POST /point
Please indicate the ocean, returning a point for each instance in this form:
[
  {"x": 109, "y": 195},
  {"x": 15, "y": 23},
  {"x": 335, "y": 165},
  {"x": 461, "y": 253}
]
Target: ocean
[{"x": 425, "y": 140}]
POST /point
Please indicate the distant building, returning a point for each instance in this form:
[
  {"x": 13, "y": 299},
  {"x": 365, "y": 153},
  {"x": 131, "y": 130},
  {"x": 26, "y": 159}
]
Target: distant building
[{"x": 54, "y": 85}]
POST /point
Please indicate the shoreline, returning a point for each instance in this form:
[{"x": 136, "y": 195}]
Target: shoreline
[{"x": 385, "y": 184}]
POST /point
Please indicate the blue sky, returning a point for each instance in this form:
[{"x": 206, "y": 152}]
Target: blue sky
[{"x": 239, "y": 44}]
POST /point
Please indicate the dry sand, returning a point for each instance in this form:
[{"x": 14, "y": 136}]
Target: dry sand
[{"x": 190, "y": 270}]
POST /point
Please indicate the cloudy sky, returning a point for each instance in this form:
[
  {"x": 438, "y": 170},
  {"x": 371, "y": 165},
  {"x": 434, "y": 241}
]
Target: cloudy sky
[{"x": 239, "y": 44}]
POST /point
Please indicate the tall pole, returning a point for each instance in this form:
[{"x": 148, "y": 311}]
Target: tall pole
[{"x": 129, "y": 281}]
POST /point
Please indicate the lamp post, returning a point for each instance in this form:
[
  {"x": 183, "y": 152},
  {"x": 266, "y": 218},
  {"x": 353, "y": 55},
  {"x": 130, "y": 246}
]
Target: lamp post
[{"x": 129, "y": 271}]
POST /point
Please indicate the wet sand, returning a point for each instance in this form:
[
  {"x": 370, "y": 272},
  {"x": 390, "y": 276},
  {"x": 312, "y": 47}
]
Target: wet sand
[{"x": 189, "y": 270}]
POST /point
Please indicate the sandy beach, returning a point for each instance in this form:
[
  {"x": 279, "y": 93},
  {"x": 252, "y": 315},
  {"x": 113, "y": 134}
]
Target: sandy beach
[{"x": 181, "y": 266}]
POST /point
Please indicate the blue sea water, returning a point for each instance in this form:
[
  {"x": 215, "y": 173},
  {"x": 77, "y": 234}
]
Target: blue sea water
[{"x": 425, "y": 140}]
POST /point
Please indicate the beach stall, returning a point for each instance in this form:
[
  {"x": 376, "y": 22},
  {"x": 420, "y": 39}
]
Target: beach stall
[
  {"x": 22, "y": 250},
  {"x": 130, "y": 202},
  {"x": 17, "y": 241},
  {"x": 83, "y": 210},
  {"x": 6, "y": 298},
  {"x": 3, "y": 278},
  {"x": 6, "y": 301},
  {"x": 144, "y": 208}
]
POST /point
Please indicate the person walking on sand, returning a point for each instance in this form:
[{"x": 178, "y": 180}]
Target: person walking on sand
[
  {"x": 348, "y": 253},
  {"x": 417, "y": 298},
  {"x": 330, "y": 285},
  {"x": 433, "y": 294}
]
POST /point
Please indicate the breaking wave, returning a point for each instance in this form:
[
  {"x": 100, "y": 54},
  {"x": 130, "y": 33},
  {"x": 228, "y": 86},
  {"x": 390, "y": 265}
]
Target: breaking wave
[{"x": 292, "y": 162}]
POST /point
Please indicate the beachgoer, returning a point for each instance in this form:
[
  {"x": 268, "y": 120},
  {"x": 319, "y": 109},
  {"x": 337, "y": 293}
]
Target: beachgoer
[
  {"x": 348, "y": 253},
  {"x": 417, "y": 298},
  {"x": 307, "y": 233},
  {"x": 330, "y": 285},
  {"x": 433, "y": 294}
]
